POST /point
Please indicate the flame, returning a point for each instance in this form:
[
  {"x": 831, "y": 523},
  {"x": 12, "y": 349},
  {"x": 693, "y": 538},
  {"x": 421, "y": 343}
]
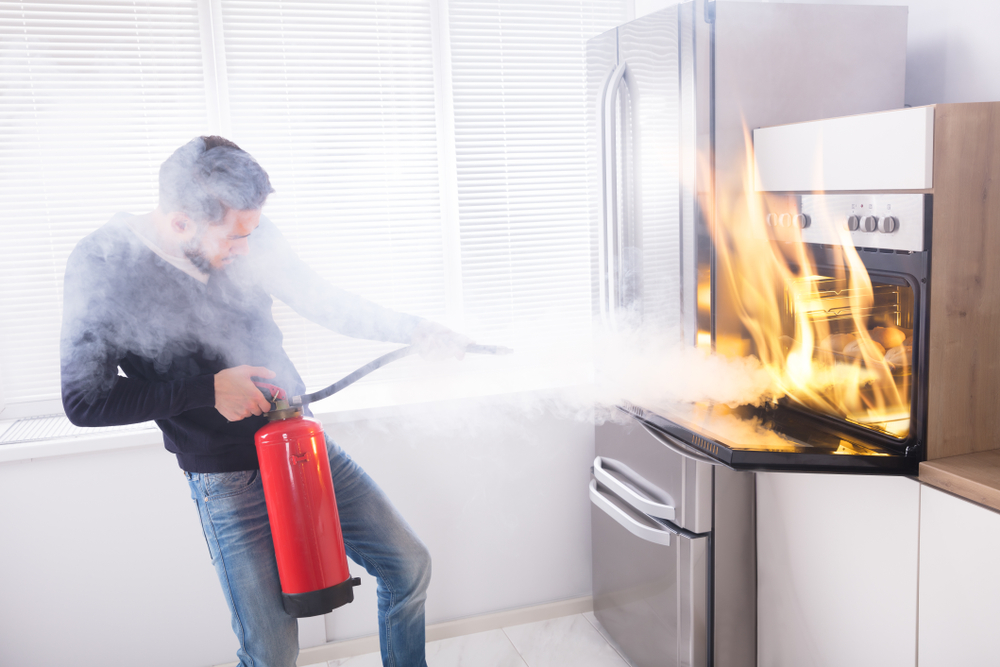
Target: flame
[{"x": 797, "y": 314}]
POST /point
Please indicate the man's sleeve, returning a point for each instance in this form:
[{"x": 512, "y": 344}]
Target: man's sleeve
[
  {"x": 92, "y": 344},
  {"x": 288, "y": 278}
]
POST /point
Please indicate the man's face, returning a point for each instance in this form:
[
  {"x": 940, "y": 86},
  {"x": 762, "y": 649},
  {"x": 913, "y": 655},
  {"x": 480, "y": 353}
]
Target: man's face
[{"x": 214, "y": 247}]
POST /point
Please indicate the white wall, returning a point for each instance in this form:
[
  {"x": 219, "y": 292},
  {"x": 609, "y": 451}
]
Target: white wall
[
  {"x": 953, "y": 54},
  {"x": 103, "y": 562}
]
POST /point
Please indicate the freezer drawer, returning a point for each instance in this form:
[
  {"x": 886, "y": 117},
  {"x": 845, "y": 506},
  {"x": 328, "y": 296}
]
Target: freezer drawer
[
  {"x": 650, "y": 584},
  {"x": 686, "y": 484}
]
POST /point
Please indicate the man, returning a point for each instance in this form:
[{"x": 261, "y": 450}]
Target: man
[{"x": 168, "y": 317}]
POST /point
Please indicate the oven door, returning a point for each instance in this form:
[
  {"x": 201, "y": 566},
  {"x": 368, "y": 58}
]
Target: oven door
[{"x": 779, "y": 440}]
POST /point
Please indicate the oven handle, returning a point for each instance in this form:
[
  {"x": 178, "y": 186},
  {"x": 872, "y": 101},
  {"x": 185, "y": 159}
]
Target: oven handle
[
  {"x": 678, "y": 447},
  {"x": 622, "y": 518},
  {"x": 644, "y": 505}
]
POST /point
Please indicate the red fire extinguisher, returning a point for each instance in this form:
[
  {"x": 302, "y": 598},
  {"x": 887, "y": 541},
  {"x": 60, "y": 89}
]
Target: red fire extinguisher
[
  {"x": 302, "y": 509},
  {"x": 298, "y": 491}
]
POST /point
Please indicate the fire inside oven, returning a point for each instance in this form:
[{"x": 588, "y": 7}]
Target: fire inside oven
[
  {"x": 863, "y": 342},
  {"x": 858, "y": 338}
]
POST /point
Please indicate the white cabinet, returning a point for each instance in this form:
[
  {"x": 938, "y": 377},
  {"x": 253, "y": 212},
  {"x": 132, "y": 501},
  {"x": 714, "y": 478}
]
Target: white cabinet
[
  {"x": 837, "y": 570},
  {"x": 959, "y": 582}
]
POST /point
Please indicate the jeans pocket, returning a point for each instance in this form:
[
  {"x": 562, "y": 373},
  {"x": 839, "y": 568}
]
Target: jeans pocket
[{"x": 228, "y": 484}]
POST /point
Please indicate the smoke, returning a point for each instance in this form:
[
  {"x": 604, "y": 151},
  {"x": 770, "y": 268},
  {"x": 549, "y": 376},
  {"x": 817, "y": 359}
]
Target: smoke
[
  {"x": 652, "y": 370},
  {"x": 581, "y": 377}
]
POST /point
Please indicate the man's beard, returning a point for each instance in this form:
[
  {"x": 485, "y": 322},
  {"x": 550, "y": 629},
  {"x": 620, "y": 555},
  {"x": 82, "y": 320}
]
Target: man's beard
[{"x": 194, "y": 253}]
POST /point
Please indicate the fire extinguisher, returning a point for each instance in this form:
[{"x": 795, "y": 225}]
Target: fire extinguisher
[
  {"x": 302, "y": 510},
  {"x": 299, "y": 494}
]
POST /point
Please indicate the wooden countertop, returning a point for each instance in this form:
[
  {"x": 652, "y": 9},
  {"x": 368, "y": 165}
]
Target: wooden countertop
[{"x": 975, "y": 477}]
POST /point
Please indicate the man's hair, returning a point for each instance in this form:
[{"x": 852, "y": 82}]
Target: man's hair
[{"x": 208, "y": 176}]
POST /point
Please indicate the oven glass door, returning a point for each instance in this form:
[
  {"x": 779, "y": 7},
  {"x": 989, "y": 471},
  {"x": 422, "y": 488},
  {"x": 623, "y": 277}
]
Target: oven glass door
[{"x": 774, "y": 439}]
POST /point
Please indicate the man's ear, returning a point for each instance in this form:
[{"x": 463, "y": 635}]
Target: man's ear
[{"x": 181, "y": 224}]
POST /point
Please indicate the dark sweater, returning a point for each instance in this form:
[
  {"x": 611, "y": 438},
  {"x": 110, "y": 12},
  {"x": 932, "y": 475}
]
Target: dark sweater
[{"x": 125, "y": 307}]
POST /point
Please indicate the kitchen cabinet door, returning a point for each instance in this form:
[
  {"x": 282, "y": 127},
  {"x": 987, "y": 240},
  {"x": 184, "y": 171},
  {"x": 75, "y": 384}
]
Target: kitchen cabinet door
[
  {"x": 959, "y": 582},
  {"x": 837, "y": 570}
]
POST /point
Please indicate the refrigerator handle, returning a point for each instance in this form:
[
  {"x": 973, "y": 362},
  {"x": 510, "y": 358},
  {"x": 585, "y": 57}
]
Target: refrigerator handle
[
  {"x": 640, "y": 530},
  {"x": 678, "y": 447},
  {"x": 608, "y": 237},
  {"x": 626, "y": 493}
]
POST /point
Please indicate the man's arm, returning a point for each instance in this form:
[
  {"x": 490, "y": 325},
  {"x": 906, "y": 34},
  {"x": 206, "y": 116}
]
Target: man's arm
[{"x": 288, "y": 278}]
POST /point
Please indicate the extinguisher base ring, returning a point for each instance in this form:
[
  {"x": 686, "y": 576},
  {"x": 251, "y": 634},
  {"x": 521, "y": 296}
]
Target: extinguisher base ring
[{"x": 317, "y": 603}]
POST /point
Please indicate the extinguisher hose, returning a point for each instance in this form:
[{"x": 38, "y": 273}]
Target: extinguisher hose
[{"x": 376, "y": 364}]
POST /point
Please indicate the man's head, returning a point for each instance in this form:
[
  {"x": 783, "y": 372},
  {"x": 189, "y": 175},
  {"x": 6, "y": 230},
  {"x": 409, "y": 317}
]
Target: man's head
[{"x": 212, "y": 192}]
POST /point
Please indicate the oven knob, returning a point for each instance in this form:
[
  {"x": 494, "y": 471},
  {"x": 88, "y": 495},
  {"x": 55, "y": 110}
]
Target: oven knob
[
  {"x": 772, "y": 219},
  {"x": 871, "y": 223},
  {"x": 853, "y": 223},
  {"x": 802, "y": 221},
  {"x": 785, "y": 220},
  {"x": 888, "y": 225}
]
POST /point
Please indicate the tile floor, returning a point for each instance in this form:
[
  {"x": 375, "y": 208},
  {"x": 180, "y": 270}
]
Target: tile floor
[{"x": 570, "y": 641}]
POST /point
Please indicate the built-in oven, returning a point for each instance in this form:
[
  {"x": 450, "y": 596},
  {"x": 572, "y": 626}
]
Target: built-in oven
[{"x": 844, "y": 325}]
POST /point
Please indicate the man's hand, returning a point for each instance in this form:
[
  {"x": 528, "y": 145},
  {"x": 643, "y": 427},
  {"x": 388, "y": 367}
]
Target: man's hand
[
  {"x": 436, "y": 341},
  {"x": 236, "y": 396}
]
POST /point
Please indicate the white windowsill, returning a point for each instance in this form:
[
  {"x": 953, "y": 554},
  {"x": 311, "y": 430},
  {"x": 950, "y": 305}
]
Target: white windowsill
[{"x": 362, "y": 402}]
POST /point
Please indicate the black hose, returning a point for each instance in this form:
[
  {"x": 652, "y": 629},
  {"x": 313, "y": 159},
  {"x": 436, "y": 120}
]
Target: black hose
[{"x": 376, "y": 364}]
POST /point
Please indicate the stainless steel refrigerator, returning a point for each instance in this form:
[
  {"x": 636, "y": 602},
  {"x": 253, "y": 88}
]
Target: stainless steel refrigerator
[{"x": 670, "y": 97}]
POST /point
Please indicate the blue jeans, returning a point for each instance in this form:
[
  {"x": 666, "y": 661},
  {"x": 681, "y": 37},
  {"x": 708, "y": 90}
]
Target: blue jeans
[{"x": 234, "y": 519}]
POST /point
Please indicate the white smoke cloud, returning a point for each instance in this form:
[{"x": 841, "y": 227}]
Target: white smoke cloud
[{"x": 582, "y": 377}]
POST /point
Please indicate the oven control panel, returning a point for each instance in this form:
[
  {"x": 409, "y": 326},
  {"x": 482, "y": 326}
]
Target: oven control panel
[{"x": 875, "y": 221}]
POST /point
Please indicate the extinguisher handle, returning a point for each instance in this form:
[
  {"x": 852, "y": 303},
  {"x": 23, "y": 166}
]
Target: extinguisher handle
[{"x": 271, "y": 392}]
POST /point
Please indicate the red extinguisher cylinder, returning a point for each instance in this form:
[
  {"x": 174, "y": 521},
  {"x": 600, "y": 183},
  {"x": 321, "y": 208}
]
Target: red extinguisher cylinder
[{"x": 302, "y": 510}]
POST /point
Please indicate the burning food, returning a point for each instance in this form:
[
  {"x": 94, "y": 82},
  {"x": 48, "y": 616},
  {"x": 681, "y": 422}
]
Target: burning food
[
  {"x": 900, "y": 356},
  {"x": 854, "y": 350},
  {"x": 838, "y": 342},
  {"x": 888, "y": 337}
]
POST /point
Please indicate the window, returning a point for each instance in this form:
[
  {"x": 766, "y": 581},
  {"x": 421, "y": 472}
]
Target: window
[
  {"x": 427, "y": 155},
  {"x": 521, "y": 143},
  {"x": 93, "y": 96}
]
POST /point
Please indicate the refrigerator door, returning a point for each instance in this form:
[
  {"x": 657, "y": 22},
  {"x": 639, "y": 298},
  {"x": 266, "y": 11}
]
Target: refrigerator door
[
  {"x": 650, "y": 584},
  {"x": 649, "y": 50},
  {"x": 637, "y": 459},
  {"x": 646, "y": 126}
]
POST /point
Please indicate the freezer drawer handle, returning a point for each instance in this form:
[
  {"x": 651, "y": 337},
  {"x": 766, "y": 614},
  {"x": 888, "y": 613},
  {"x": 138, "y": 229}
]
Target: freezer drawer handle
[
  {"x": 640, "y": 530},
  {"x": 678, "y": 447},
  {"x": 626, "y": 493}
]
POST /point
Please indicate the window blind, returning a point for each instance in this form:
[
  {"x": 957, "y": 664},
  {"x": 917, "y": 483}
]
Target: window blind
[
  {"x": 93, "y": 96},
  {"x": 519, "y": 85},
  {"x": 336, "y": 101}
]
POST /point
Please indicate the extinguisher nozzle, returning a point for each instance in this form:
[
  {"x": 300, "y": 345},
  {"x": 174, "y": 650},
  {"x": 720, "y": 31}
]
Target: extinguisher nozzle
[{"x": 489, "y": 349}]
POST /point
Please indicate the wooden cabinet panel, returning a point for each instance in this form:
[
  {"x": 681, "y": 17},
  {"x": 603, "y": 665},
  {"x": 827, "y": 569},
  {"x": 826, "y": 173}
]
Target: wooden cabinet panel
[
  {"x": 965, "y": 281},
  {"x": 959, "y": 582}
]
